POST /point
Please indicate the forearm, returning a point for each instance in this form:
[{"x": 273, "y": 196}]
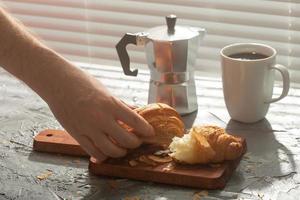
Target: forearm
[
  {"x": 28, "y": 59},
  {"x": 80, "y": 103},
  {"x": 18, "y": 47}
]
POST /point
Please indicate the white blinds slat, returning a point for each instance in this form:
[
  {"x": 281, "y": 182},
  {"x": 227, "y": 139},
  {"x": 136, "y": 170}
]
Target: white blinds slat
[
  {"x": 211, "y": 40},
  {"x": 87, "y": 30},
  {"x": 287, "y": 21}
]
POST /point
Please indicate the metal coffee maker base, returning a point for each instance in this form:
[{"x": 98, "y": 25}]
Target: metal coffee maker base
[
  {"x": 182, "y": 96},
  {"x": 171, "y": 53}
]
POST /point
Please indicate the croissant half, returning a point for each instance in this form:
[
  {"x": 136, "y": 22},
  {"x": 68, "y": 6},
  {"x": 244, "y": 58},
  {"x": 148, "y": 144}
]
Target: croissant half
[
  {"x": 165, "y": 120},
  {"x": 206, "y": 144}
]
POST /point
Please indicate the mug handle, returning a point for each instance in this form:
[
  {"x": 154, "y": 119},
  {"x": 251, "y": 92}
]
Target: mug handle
[{"x": 286, "y": 82}]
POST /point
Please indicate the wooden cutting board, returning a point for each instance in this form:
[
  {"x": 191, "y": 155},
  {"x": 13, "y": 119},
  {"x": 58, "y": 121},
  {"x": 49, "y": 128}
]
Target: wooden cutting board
[{"x": 199, "y": 176}]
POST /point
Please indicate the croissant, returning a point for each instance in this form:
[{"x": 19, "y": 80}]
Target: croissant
[
  {"x": 206, "y": 144},
  {"x": 165, "y": 120}
]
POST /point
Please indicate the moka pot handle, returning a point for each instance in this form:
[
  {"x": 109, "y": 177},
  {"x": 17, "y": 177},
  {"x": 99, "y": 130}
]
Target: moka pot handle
[{"x": 138, "y": 39}]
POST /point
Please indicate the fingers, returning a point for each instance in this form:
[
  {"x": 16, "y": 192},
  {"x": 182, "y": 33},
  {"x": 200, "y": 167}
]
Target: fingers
[
  {"x": 107, "y": 147},
  {"x": 123, "y": 137},
  {"x": 91, "y": 149},
  {"x": 137, "y": 122}
]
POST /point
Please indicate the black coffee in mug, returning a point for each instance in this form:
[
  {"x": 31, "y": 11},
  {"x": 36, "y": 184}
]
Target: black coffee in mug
[{"x": 248, "y": 56}]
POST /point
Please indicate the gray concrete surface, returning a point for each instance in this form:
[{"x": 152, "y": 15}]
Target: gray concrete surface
[{"x": 269, "y": 170}]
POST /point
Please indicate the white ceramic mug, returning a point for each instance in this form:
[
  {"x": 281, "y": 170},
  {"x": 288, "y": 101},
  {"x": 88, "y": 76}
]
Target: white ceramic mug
[{"x": 248, "y": 84}]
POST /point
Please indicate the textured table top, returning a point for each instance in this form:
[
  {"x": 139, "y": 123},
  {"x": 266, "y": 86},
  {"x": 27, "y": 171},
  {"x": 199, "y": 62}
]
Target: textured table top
[{"x": 269, "y": 170}]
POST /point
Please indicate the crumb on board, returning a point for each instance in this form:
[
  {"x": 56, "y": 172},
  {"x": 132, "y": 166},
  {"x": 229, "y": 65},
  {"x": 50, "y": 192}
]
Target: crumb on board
[
  {"x": 160, "y": 159},
  {"x": 168, "y": 168},
  {"x": 151, "y": 159},
  {"x": 164, "y": 152},
  {"x": 147, "y": 161},
  {"x": 133, "y": 163}
]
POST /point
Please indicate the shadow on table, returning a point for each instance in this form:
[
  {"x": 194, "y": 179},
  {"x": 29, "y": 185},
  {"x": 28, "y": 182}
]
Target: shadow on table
[
  {"x": 189, "y": 119},
  {"x": 263, "y": 150},
  {"x": 59, "y": 159}
]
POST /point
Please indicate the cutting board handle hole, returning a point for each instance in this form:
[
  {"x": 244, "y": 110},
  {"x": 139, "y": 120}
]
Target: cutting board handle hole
[{"x": 49, "y": 135}]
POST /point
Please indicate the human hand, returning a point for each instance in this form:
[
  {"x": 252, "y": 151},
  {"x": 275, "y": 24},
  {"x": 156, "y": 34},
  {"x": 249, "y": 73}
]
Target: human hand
[
  {"x": 81, "y": 104},
  {"x": 90, "y": 113}
]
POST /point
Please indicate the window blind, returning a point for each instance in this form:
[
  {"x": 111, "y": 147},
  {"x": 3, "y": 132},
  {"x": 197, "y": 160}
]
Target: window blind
[{"x": 88, "y": 30}]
